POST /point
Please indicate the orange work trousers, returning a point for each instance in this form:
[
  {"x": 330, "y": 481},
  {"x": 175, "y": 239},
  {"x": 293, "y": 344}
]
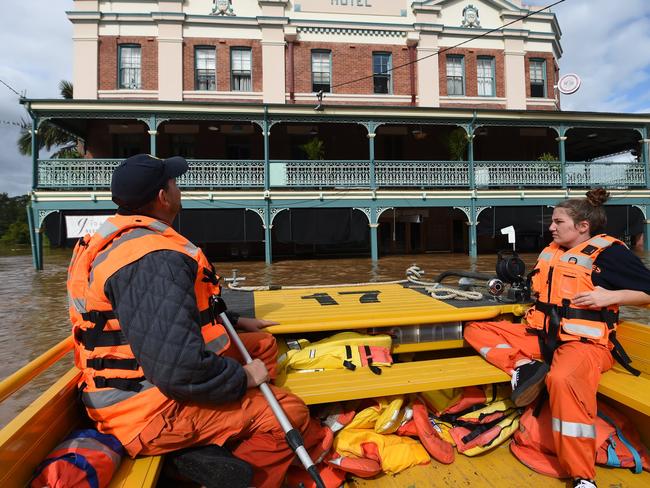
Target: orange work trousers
[
  {"x": 247, "y": 426},
  {"x": 572, "y": 383}
]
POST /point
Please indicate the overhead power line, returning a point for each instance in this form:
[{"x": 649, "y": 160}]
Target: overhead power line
[
  {"x": 451, "y": 47},
  {"x": 10, "y": 87}
]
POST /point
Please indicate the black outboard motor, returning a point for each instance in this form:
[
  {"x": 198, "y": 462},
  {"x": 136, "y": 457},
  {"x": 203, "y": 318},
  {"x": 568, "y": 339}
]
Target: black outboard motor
[{"x": 512, "y": 270}]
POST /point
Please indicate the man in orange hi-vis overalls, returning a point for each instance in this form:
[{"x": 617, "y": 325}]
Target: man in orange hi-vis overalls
[
  {"x": 568, "y": 338},
  {"x": 158, "y": 369}
]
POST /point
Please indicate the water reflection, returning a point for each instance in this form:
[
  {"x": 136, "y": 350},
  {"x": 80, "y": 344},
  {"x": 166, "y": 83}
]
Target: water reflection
[{"x": 33, "y": 305}]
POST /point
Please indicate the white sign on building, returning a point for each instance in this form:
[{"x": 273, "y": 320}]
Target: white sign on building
[
  {"x": 394, "y": 8},
  {"x": 80, "y": 225}
]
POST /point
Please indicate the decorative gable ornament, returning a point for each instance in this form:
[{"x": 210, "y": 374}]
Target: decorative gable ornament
[
  {"x": 222, "y": 7},
  {"x": 470, "y": 17}
]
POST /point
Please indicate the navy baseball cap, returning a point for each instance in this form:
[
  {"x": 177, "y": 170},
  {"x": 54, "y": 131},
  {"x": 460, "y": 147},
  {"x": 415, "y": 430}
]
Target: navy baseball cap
[{"x": 137, "y": 180}]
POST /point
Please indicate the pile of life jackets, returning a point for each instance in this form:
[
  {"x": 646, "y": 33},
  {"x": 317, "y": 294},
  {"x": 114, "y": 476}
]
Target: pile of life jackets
[
  {"x": 474, "y": 419},
  {"x": 391, "y": 434}
]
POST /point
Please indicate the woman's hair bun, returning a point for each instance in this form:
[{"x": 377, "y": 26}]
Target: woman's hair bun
[{"x": 597, "y": 196}]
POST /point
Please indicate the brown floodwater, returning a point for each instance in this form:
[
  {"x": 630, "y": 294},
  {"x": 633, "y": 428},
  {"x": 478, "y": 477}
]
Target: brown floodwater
[{"x": 33, "y": 305}]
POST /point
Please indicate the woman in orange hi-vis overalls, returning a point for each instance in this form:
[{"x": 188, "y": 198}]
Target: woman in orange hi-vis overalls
[{"x": 568, "y": 338}]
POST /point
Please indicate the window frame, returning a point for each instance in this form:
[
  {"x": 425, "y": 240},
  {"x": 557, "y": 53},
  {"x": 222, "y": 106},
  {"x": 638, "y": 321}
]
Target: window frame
[
  {"x": 120, "y": 49},
  {"x": 463, "y": 76},
  {"x": 493, "y": 77},
  {"x": 388, "y": 74},
  {"x": 212, "y": 49},
  {"x": 233, "y": 50},
  {"x": 544, "y": 80},
  {"x": 313, "y": 82}
]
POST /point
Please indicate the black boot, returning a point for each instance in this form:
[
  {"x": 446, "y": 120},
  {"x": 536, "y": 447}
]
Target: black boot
[
  {"x": 527, "y": 382},
  {"x": 211, "y": 466}
]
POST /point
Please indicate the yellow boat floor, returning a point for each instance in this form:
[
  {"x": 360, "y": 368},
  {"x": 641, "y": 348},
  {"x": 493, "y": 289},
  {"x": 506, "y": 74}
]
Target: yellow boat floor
[{"x": 498, "y": 469}]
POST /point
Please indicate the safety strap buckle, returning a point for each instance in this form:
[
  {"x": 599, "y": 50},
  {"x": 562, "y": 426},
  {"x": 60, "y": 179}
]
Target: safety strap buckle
[{"x": 125, "y": 384}]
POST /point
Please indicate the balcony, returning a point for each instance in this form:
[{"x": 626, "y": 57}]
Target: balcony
[{"x": 204, "y": 174}]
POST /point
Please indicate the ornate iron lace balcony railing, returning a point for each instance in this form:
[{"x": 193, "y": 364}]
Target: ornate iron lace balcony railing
[
  {"x": 605, "y": 173},
  {"x": 549, "y": 174},
  {"x": 64, "y": 174},
  {"x": 517, "y": 173},
  {"x": 95, "y": 174},
  {"x": 319, "y": 173},
  {"x": 214, "y": 173},
  {"x": 422, "y": 173}
]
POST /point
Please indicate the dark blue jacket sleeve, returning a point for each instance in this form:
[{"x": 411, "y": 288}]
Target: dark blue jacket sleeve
[{"x": 155, "y": 303}]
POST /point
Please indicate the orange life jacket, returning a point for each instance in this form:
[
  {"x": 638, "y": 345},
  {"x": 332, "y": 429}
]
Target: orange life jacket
[
  {"x": 114, "y": 390},
  {"x": 558, "y": 276}
]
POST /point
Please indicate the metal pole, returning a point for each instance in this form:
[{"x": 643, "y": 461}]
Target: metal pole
[{"x": 294, "y": 439}]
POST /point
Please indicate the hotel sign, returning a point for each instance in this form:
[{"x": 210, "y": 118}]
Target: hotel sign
[{"x": 395, "y": 8}]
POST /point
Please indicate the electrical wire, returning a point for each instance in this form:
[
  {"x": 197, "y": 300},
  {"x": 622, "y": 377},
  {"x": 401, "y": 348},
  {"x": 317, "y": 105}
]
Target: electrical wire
[
  {"x": 10, "y": 87},
  {"x": 529, "y": 14}
]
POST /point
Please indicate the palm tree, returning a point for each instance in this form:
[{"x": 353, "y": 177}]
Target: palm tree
[{"x": 49, "y": 135}]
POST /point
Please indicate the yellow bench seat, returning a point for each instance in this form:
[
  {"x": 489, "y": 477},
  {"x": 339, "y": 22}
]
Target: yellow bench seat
[{"x": 436, "y": 374}]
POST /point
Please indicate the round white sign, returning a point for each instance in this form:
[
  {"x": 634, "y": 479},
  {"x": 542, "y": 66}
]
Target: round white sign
[{"x": 569, "y": 83}]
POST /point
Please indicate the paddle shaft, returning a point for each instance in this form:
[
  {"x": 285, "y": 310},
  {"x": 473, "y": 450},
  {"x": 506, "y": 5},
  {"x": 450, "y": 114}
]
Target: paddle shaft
[{"x": 293, "y": 436}]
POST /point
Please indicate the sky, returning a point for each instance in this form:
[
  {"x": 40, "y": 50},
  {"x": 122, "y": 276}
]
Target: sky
[{"x": 606, "y": 42}]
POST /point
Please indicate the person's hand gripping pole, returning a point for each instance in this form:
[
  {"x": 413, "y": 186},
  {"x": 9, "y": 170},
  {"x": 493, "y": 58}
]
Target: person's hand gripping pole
[{"x": 294, "y": 439}]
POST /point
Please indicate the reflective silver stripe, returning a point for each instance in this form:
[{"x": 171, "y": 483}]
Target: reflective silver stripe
[
  {"x": 217, "y": 344},
  {"x": 107, "y": 228},
  {"x": 574, "y": 429},
  {"x": 583, "y": 330},
  {"x": 584, "y": 261},
  {"x": 191, "y": 249},
  {"x": 545, "y": 256},
  {"x": 158, "y": 226},
  {"x": 134, "y": 234},
  {"x": 484, "y": 351},
  {"x": 503, "y": 346},
  {"x": 92, "y": 444},
  {"x": 600, "y": 242},
  {"x": 110, "y": 396},
  {"x": 79, "y": 304}
]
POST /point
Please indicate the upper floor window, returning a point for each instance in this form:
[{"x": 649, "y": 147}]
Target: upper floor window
[
  {"x": 205, "y": 66},
  {"x": 538, "y": 78},
  {"x": 382, "y": 64},
  {"x": 241, "y": 76},
  {"x": 130, "y": 63},
  {"x": 485, "y": 76},
  {"x": 321, "y": 71},
  {"x": 455, "y": 75}
]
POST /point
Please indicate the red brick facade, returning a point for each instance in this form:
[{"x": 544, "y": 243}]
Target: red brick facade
[
  {"x": 470, "y": 58},
  {"x": 223, "y": 47},
  {"x": 108, "y": 59},
  {"x": 349, "y": 62}
]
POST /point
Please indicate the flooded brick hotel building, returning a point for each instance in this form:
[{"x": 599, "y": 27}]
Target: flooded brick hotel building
[{"x": 438, "y": 123}]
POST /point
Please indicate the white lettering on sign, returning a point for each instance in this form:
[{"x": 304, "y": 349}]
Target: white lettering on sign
[
  {"x": 80, "y": 225},
  {"x": 396, "y": 8},
  {"x": 352, "y": 3}
]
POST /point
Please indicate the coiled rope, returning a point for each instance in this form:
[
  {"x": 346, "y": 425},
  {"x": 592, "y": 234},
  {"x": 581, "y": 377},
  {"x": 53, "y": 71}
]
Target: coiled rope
[
  {"x": 437, "y": 290},
  {"x": 413, "y": 275}
]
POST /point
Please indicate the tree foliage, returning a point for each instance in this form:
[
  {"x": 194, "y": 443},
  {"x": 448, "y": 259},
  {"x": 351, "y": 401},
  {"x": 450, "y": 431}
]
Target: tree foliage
[
  {"x": 49, "y": 135},
  {"x": 13, "y": 219}
]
